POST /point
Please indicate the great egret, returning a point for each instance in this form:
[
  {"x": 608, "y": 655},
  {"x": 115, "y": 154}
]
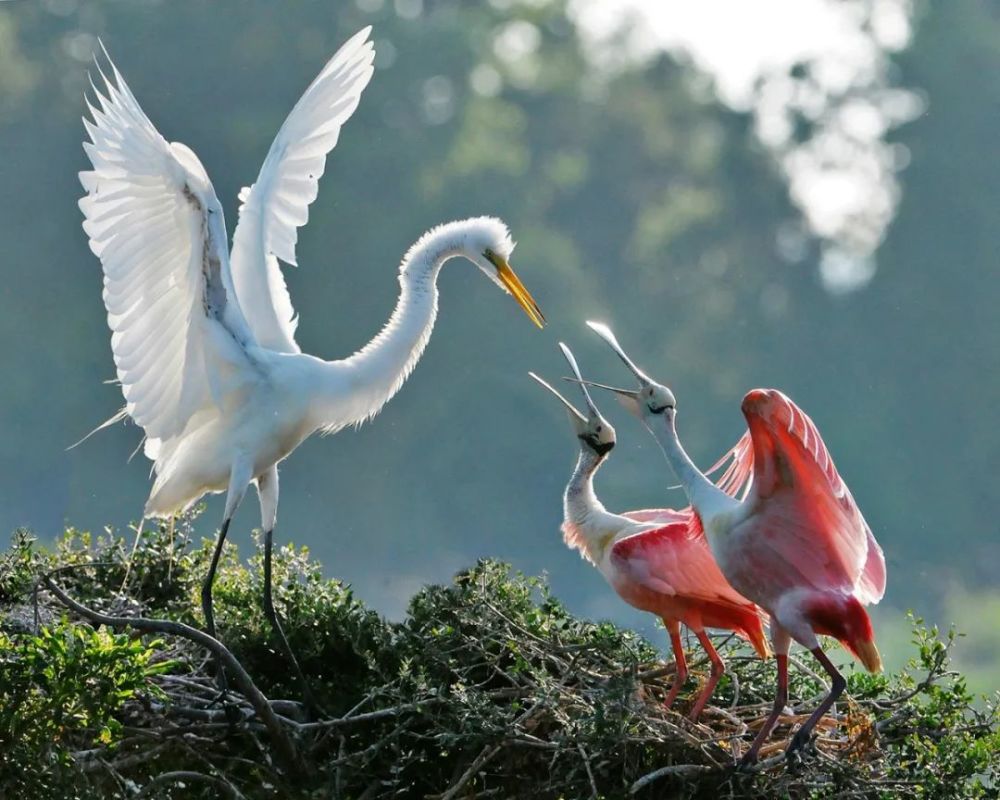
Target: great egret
[
  {"x": 796, "y": 544},
  {"x": 204, "y": 343},
  {"x": 657, "y": 560}
]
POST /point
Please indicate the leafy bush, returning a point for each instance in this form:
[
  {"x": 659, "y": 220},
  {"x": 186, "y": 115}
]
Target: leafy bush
[
  {"x": 65, "y": 686},
  {"x": 489, "y": 687}
]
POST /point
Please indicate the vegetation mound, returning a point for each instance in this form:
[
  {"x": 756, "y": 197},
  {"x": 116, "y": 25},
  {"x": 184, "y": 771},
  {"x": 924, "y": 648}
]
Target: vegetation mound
[{"x": 488, "y": 688}]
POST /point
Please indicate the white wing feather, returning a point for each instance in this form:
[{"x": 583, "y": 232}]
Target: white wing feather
[
  {"x": 276, "y": 205},
  {"x": 178, "y": 336}
]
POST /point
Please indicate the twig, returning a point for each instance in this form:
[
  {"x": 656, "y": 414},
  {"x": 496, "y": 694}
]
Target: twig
[
  {"x": 488, "y": 754},
  {"x": 683, "y": 770},
  {"x": 369, "y": 716},
  {"x": 590, "y": 774},
  {"x": 178, "y": 776}
]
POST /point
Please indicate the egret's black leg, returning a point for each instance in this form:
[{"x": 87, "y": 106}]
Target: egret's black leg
[
  {"x": 272, "y": 617},
  {"x": 206, "y": 598}
]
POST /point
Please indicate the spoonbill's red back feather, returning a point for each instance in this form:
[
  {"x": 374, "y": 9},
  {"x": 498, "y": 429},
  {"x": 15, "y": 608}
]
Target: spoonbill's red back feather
[{"x": 670, "y": 571}]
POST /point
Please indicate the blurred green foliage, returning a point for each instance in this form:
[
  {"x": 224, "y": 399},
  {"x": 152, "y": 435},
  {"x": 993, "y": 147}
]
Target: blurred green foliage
[{"x": 635, "y": 199}]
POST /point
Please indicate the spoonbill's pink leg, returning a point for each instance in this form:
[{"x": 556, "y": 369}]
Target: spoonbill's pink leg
[
  {"x": 780, "y": 700},
  {"x": 801, "y": 738},
  {"x": 674, "y": 629},
  {"x": 718, "y": 670}
]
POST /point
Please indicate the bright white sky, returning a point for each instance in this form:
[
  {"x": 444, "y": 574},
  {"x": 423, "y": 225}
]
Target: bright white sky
[{"x": 843, "y": 177}]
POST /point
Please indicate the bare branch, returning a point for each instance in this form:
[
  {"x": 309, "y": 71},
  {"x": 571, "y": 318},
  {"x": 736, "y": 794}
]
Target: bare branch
[{"x": 286, "y": 749}]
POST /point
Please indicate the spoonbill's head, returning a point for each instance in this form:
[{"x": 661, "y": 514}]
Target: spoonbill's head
[
  {"x": 651, "y": 400},
  {"x": 486, "y": 242},
  {"x": 595, "y": 433}
]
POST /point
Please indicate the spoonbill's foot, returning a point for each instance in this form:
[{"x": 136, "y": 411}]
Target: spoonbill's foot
[
  {"x": 797, "y": 748},
  {"x": 747, "y": 763}
]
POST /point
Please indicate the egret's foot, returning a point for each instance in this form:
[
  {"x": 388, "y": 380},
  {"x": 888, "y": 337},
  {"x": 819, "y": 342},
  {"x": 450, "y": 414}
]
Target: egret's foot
[
  {"x": 229, "y": 708},
  {"x": 314, "y": 710},
  {"x": 221, "y": 681}
]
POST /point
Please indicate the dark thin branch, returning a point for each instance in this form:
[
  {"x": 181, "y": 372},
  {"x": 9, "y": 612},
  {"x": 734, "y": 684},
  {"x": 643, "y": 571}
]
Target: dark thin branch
[
  {"x": 179, "y": 776},
  {"x": 486, "y": 756},
  {"x": 681, "y": 770},
  {"x": 279, "y": 737}
]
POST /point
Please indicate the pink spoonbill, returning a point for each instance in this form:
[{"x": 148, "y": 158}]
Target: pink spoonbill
[
  {"x": 796, "y": 543},
  {"x": 657, "y": 560}
]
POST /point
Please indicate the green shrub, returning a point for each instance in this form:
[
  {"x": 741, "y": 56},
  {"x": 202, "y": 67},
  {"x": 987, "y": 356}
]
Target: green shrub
[
  {"x": 61, "y": 690},
  {"x": 489, "y": 687}
]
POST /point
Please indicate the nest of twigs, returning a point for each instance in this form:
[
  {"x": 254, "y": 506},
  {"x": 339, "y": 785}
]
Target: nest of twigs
[{"x": 488, "y": 689}]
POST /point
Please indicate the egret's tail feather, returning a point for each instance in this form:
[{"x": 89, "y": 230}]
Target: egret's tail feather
[
  {"x": 131, "y": 556},
  {"x": 122, "y": 414}
]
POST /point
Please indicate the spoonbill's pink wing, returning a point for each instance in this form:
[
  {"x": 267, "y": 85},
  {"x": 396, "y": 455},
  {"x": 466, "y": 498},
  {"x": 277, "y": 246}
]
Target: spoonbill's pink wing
[
  {"x": 658, "y": 516},
  {"x": 674, "y": 559},
  {"x": 803, "y": 509},
  {"x": 871, "y": 587},
  {"x": 738, "y": 475}
]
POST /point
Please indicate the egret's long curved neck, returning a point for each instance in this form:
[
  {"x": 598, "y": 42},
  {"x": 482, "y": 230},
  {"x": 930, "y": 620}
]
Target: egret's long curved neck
[
  {"x": 704, "y": 495},
  {"x": 356, "y": 388}
]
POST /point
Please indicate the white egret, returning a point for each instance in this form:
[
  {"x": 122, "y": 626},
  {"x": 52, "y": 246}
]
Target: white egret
[{"x": 204, "y": 341}]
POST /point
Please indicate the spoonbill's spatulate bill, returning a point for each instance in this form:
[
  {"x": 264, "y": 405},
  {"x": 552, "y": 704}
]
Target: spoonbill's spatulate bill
[
  {"x": 204, "y": 342},
  {"x": 657, "y": 560},
  {"x": 796, "y": 544}
]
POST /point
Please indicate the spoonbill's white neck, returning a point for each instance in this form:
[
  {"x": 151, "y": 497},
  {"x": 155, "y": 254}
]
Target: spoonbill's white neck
[
  {"x": 587, "y": 525},
  {"x": 355, "y": 389},
  {"x": 579, "y": 500},
  {"x": 707, "y": 498}
]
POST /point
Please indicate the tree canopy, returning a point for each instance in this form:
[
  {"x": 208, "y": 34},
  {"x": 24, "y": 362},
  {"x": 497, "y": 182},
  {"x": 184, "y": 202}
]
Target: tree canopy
[{"x": 636, "y": 198}]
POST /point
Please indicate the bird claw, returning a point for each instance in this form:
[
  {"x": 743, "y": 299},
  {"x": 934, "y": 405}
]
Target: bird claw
[
  {"x": 796, "y": 752},
  {"x": 230, "y": 709},
  {"x": 747, "y": 764}
]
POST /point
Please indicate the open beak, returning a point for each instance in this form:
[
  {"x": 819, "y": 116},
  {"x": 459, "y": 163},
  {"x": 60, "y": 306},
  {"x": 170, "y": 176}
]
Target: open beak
[
  {"x": 605, "y": 333},
  {"x": 615, "y": 389},
  {"x": 629, "y": 398},
  {"x": 513, "y": 285},
  {"x": 569, "y": 406}
]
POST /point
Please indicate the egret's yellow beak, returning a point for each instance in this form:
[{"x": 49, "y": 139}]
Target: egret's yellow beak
[{"x": 513, "y": 285}]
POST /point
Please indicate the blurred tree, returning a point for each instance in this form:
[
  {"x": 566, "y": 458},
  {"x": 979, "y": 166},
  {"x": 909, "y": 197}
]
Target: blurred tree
[{"x": 635, "y": 199}]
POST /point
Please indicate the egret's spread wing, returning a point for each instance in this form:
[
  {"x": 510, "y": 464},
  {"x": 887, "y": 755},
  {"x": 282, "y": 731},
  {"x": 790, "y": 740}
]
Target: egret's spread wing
[
  {"x": 813, "y": 522},
  {"x": 675, "y": 559},
  {"x": 277, "y": 204},
  {"x": 178, "y": 337}
]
